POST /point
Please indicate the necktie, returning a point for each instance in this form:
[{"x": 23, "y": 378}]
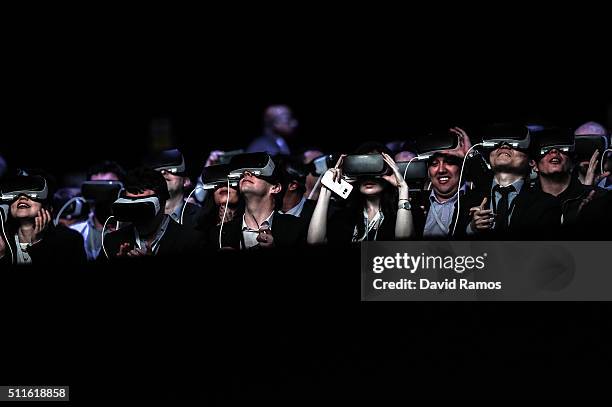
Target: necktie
[{"x": 501, "y": 219}]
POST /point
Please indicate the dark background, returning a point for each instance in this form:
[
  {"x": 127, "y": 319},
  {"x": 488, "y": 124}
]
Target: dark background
[
  {"x": 290, "y": 325},
  {"x": 65, "y": 110}
]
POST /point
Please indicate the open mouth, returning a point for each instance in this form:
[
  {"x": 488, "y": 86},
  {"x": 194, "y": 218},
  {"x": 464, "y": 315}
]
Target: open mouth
[
  {"x": 443, "y": 179},
  {"x": 23, "y": 205},
  {"x": 555, "y": 161},
  {"x": 501, "y": 153}
]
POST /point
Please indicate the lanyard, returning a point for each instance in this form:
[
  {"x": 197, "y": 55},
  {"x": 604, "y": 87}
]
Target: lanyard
[
  {"x": 377, "y": 221},
  {"x": 142, "y": 244}
]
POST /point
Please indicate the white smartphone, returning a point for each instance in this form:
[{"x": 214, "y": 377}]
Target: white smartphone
[{"x": 343, "y": 189}]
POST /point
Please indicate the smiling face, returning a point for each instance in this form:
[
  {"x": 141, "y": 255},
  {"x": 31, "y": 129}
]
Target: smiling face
[
  {"x": 444, "y": 175},
  {"x": 24, "y": 208},
  {"x": 553, "y": 163},
  {"x": 506, "y": 159}
]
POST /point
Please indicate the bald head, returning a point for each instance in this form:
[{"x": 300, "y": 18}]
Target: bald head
[
  {"x": 591, "y": 128},
  {"x": 279, "y": 119}
]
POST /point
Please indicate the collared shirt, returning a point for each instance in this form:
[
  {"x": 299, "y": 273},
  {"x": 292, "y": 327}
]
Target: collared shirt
[
  {"x": 176, "y": 213},
  {"x": 92, "y": 237},
  {"x": 440, "y": 215},
  {"x": 249, "y": 236},
  {"x": 296, "y": 210},
  {"x": 156, "y": 242},
  {"x": 518, "y": 185},
  {"x": 602, "y": 184}
]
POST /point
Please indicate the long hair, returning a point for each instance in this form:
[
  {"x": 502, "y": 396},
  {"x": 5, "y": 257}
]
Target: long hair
[{"x": 388, "y": 196}]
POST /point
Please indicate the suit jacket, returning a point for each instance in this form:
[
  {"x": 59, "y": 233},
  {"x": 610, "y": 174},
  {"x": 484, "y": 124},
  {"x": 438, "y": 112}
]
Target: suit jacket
[
  {"x": 287, "y": 230},
  {"x": 177, "y": 239},
  {"x": 536, "y": 216}
]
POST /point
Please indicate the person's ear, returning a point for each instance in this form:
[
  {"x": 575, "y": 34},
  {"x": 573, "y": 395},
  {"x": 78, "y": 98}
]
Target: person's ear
[
  {"x": 292, "y": 186},
  {"x": 533, "y": 164},
  {"x": 276, "y": 188}
]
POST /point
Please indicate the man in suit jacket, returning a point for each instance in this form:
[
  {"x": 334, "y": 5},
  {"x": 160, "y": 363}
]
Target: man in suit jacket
[
  {"x": 151, "y": 232},
  {"x": 261, "y": 226},
  {"x": 508, "y": 208}
]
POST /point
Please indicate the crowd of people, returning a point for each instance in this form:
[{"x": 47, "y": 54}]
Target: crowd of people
[{"x": 515, "y": 181}]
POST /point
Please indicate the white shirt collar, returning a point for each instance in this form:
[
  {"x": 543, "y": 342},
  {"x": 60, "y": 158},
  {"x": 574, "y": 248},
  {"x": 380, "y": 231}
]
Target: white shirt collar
[
  {"x": 297, "y": 209},
  {"x": 266, "y": 222}
]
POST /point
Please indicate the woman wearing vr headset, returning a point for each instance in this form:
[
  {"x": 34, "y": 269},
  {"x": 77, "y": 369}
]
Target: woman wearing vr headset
[
  {"x": 28, "y": 233},
  {"x": 377, "y": 210}
]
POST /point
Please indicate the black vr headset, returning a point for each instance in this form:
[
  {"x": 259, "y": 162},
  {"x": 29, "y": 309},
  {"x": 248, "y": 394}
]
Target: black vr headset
[
  {"x": 136, "y": 210},
  {"x": 416, "y": 171},
  {"x": 364, "y": 165},
  {"x": 548, "y": 138},
  {"x": 33, "y": 186},
  {"x": 435, "y": 141},
  {"x": 101, "y": 191},
  {"x": 216, "y": 176},
  {"x": 171, "y": 161},
  {"x": 258, "y": 164},
  {"x": 586, "y": 145},
  {"x": 516, "y": 136},
  {"x": 319, "y": 165}
]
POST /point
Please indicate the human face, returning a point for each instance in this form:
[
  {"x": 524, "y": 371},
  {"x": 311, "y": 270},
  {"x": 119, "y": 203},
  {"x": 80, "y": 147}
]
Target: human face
[
  {"x": 25, "y": 208},
  {"x": 175, "y": 183},
  {"x": 250, "y": 184},
  {"x": 444, "y": 176},
  {"x": 554, "y": 162},
  {"x": 371, "y": 186},
  {"x": 507, "y": 159}
]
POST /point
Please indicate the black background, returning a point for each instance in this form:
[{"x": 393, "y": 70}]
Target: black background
[{"x": 287, "y": 326}]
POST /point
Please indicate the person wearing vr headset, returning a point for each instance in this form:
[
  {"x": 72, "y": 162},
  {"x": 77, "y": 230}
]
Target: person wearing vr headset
[
  {"x": 261, "y": 225},
  {"x": 221, "y": 206},
  {"x": 377, "y": 209},
  {"x": 101, "y": 178},
  {"x": 553, "y": 161},
  {"x": 150, "y": 231},
  {"x": 443, "y": 169},
  {"x": 28, "y": 233},
  {"x": 279, "y": 125},
  {"x": 588, "y": 168},
  {"x": 293, "y": 180},
  {"x": 171, "y": 164},
  {"x": 508, "y": 207},
  {"x": 308, "y": 157}
]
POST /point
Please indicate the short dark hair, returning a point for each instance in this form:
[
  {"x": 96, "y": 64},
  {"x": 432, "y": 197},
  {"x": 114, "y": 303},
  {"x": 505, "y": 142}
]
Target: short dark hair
[
  {"x": 141, "y": 178},
  {"x": 292, "y": 169},
  {"x": 104, "y": 167}
]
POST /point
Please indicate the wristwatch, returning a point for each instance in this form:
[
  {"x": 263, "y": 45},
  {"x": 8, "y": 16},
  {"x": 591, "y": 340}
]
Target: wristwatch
[{"x": 404, "y": 205}]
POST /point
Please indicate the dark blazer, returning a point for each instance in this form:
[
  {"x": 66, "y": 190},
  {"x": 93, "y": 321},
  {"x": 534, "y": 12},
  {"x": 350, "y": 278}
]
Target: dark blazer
[
  {"x": 308, "y": 210},
  {"x": 571, "y": 200},
  {"x": 341, "y": 227},
  {"x": 177, "y": 239},
  {"x": 59, "y": 245},
  {"x": 192, "y": 215},
  {"x": 536, "y": 216},
  {"x": 287, "y": 230}
]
